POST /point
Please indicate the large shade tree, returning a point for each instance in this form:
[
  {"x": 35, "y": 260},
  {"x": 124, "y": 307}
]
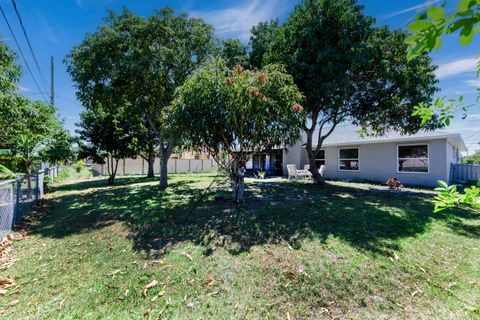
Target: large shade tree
[
  {"x": 349, "y": 70},
  {"x": 234, "y": 53},
  {"x": 239, "y": 113},
  {"x": 106, "y": 138},
  {"x": 9, "y": 76},
  {"x": 30, "y": 131},
  {"x": 141, "y": 62}
]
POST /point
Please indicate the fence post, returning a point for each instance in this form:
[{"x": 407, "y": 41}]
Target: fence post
[
  {"x": 17, "y": 201},
  {"x": 450, "y": 176},
  {"x": 36, "y": 186}
]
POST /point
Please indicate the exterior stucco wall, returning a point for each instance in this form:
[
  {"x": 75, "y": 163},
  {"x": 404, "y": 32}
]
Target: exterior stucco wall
[
  {"x": 294, "y": 155},
  {"x": 378, "y": 162}
]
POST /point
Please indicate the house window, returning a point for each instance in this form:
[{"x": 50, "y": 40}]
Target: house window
[
  {"x": 413, "y": 158},
  {"x": 320, "y": 159},
  {"x": 348, "y": 159}
]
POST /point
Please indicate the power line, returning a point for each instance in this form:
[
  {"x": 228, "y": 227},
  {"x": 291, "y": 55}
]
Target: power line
[
  {"x": 69, "y": 100},
  {"x": 477, "y": 132},
  {"x": 30, "y": 46},
  {"x": 21, "y": 53}
]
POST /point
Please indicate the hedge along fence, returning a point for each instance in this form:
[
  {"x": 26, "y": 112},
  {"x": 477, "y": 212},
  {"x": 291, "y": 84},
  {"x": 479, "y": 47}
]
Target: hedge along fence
[
  {"x": 17, "y": 196},
  {"x": 139, "y": 166}
]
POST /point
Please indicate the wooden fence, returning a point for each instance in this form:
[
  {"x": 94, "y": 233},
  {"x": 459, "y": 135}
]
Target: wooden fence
[
  {"x": 140, "y": 167},
  {"x": 461, "y": 173}
]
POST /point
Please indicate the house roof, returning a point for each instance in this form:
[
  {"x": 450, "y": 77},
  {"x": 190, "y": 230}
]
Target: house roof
[{"x": 346, "y": 134}]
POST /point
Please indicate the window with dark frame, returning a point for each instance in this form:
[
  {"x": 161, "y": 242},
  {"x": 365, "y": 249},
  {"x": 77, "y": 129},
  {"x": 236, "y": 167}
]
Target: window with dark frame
[
  {"x": 348, "y": 159},
  {"x": 413, "y": 158},
  {"x": 320, "y": 159}
]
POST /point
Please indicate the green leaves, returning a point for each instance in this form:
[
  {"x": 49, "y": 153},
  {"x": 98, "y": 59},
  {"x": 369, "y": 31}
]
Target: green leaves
[
  {"x": 465, "y": 5},
  {"x": 449, "y": 197},
  {"x": 420, "y": 25},
  {"x": 238, "y": 111},
  {"x": 436, "y": 13},
  {"x": 126, "y": 74},
  {"x": 428, "y": 29},
  {"x": 441, "y": 110},
  {"x": 6, "y": 173},
  {"x": 466, "y": 35}
]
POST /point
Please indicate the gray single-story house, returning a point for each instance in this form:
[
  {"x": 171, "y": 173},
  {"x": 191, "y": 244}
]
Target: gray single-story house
[{"x": 420, "y": 159}]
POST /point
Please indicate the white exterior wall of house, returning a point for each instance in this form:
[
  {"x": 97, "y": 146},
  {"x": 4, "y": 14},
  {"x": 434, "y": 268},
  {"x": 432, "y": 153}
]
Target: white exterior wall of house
[
  {"x": 378, "y": 162},
  {"x": 378, "y": 157}
]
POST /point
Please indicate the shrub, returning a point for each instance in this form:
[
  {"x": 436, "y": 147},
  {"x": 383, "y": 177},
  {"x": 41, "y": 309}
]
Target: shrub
[
  {"x": 475, "y": 183},
  {"x": 79, "y": 165},
  {"x": 47, "y": 183}
]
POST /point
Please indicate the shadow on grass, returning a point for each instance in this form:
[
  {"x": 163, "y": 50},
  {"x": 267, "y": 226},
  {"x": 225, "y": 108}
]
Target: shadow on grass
[{"x": 273, "y": 213}]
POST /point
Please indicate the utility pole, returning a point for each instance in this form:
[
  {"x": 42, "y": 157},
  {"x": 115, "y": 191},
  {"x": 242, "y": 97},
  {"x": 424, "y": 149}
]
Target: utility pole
[{"x": 52, "y": 91}]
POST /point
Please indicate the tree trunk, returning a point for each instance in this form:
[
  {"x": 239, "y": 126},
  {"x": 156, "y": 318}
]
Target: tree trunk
[
  {"x": 237, "y": 177},
  {"x": 312, "y": 154},
  {"x": 151, "y": 165},
  {"x": 163, "y": 173},
  {"x": 29, "y": 179},
  {"x": 317, "y": 177},
  {"x": 165, "y": 153},
  {"x": 112, "y": 170}
]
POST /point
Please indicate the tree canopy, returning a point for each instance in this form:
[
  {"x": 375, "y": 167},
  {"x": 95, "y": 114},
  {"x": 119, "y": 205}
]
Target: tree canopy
[
  {"x": 132, "y": 66},
  {"x": 106, "y": 137},
  {"x": 350, "y": 70},
  {"x": 238, "y": 112},
  {"x": 234, "y": 53},
  {"x": 263, "y": 35},
  {"x": 25, "y": 123},
  {"x": 472, "y": 159}
]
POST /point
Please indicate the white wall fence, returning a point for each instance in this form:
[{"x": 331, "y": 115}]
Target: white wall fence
[
  {"x": 461, "y": 173},
  {"x": 139, "y": 166}
]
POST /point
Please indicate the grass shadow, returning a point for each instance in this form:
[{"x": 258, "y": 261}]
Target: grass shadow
[{"x": 274, "y": 212}]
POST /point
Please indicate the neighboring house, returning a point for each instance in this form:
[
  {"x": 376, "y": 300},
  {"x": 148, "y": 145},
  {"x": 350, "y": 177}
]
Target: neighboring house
[{"x": 419, "y": 159}]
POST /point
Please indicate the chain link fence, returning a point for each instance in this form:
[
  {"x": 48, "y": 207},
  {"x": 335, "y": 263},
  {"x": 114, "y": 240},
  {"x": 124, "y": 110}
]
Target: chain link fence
[{"x": 17, "y": 196}]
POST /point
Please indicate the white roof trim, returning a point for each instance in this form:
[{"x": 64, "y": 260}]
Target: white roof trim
[{"x": 455, "y": 139}]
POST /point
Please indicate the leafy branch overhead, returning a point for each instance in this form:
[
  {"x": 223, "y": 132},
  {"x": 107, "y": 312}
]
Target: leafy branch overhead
[
  {"x": 430, "y": 27},
  {"x": 443, "y": 110},
  {"x": 427, "y": 33}
]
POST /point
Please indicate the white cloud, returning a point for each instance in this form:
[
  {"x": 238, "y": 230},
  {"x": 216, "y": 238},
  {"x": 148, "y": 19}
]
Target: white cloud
[
  {"x": 475, "y": 116},
  {"x": 23, "y": 89},
  {"x": 457, "y": 67},
  {"x": 237, "y": 21},
  {"x": 419, "y": 7},
  {"x": 472, "y": 83}
]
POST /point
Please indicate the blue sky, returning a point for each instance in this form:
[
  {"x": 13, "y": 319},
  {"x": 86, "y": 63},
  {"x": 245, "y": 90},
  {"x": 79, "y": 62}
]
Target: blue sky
[{"x": 55, "y": 26}]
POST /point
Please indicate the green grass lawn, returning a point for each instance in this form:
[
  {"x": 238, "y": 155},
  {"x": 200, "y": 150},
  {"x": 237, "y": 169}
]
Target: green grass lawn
[{"x": 292, "y": 251}]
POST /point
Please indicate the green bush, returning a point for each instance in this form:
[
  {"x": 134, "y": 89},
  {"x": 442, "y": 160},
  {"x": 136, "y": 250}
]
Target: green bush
[
  {"x": 47, "y": 183},
  {"x": 79, "y": 165},
  {"x": 475, "y": 183},
  {"x": 64, "y": 174}
]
